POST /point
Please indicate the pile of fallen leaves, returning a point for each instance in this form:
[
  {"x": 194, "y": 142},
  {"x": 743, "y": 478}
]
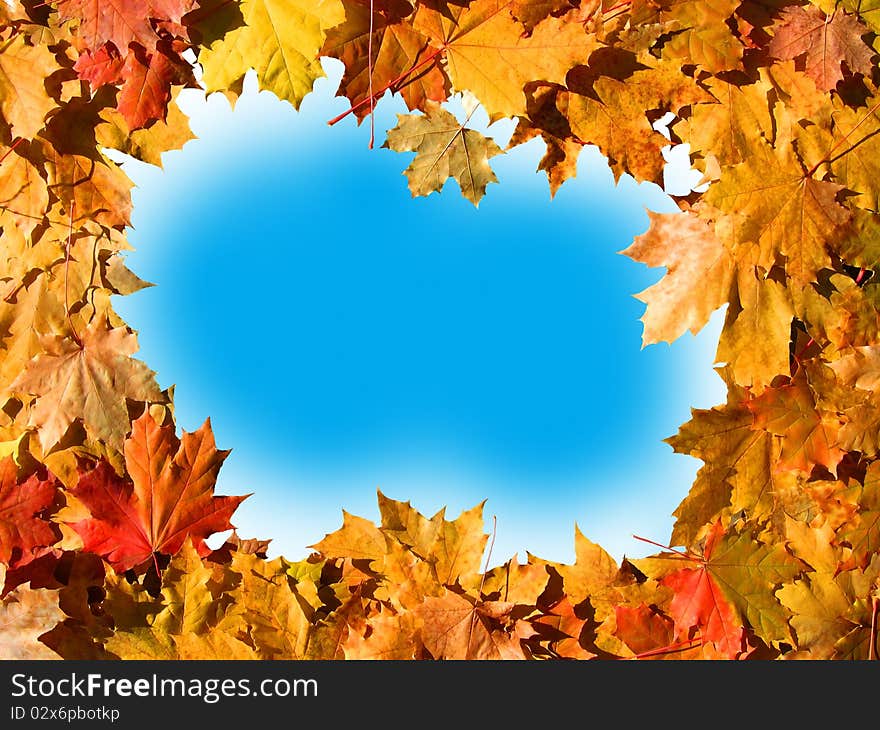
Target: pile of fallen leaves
[{"x": 105, "y": 512}]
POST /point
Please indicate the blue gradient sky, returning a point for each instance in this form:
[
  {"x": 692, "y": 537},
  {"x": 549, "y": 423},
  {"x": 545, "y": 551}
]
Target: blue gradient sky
[{"x": 344, "y": 337}]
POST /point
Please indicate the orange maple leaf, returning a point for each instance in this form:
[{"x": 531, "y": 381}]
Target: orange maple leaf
[{"x": 167, "y": 497}]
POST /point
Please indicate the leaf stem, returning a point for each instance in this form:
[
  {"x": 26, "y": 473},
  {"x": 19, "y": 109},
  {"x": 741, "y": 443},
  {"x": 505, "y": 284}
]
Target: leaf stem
[
  {"x": 370, "y": 74},
  {"x": 875, "y": 604},
  {"x": 482, "y": 581},
  {"x": 685, "y": 555},
  {"x": 670, "y": 649},
  {"x": 73, "y": 332},
  {"x": 827, "y": 157},
  {"x": 15, "y": 144},
  {"x": 371, "y": 99}
]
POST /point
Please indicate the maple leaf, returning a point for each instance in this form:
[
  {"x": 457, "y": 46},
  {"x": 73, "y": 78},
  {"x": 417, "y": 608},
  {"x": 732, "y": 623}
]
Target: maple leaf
[
  {"x": 24, "y": 102},
  {"x": 277, "y": 623},
  {"x": 700, "y": 603},
  {"x": 700, "y": 33},
  {"x": 280, "y": 40},
  {"x": 859, "y": 368},
  {"x": 444, "y": 148},
  {"x": 94, "y": 187},
  {"x": 699, "y": 274},
  {"x": 521, "y": 585},
  {"x": 23, "y": 191},
  {"x": 357, "y": 538},
  {"x": 608, "y": 102},
  {"x": 328, "y": 639},
  {"x": 772, "y": 203},
  {"x": 561, "y": 628},
  {"x": 809, "y": 437},
  {"x": 100, "y": 67},
  {"x": 146, "y": 91},
  {"x": 862, "y": 534},
  {"x": 191, "y": 606},
  {"x": 487, "y": 53},
  {"x": 832, "y": 612},
  {"x": 725, "y": 129},
  {"x": 754, "y": 342},
  {"x": 148, "y": 144},
  {"x": 167, "y": 499},
  {"x": 593, "y": 569},
  {"x": 642, "y": 628},
  {"x": 547, "y": 122},
  {"x": 825, "y": 43},
  {"x": 455, "y": 628},
  {"x": 23, "y": 504},
  {"x": 398, "y": 61},
  {"x": 738, "y": 472},
  {"x": 26, "y": 615},
  {"x": 852, "y": 149},
  {"x": 453, "y": 548},
  {"x": 117, "y": 21},
  {"x": 89, "y": 381},
  {"x": 390, "y": 637}
]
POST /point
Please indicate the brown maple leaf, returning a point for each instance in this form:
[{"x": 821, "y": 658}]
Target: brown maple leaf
[
  {"x": 89, "y": 380},
  {"x": 167, "y": 497},
  {"x": 396, "y": 49},
  {"x": 824, "y": 42},
  {"x": 456, "y": 628}
]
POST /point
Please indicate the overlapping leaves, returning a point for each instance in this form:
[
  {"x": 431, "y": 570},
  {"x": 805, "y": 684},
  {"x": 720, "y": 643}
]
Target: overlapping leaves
[{"x": 105, "y": 512}]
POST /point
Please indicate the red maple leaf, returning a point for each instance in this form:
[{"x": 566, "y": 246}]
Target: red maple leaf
[
  {"x": 146, "y": 91},
  {"x": 23, "y": 529},
  {"x": 699, "y": 603},
  {"x": 100, "y": 67},
  {"x": 119, "y": 21},
  {"x": 167, "y": 496}
]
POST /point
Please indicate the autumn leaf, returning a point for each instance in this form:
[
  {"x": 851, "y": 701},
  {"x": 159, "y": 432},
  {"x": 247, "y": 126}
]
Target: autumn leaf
[
  {"x": 809, "y": 437},
  {"x": 357, "y": 538},
  {"x": 23, "y": 191},
  {"x": 444, "y": 148},
  {"x": 700, "y": 603},
  {"x": 455, "y": 628},
  {"x": 700, "y": 33},
  {"x": 27, "y": 614},
  {"x": 862, "y": 534},
  {"x": 401, "y": 60},
  {"x": 100, "y": 21},
  {"x": 390, "y": 637},
  {"x": 92, "y": 187},
  {"x": 642, "y": 628},
  {"x": 24, "y": 102},
  {"x": 167, "y": 498},
  {"x": 89, "y": 381},
  {"x": 772, "y": 203},
  {"x": 146, "y": 90},
  {"x": 280, "y": 40},
  {"x": 699, "y": 274},
  {"x": 488, "y": 53},
  {"x": 832, "y": 613},
  {"x": 148, "y": 144},
  {"x": 825, "y": 43},
  {"x": 277, "y": 624},
  {"x": 23, "y": 507},
  {"x": 608, "y": 103}
]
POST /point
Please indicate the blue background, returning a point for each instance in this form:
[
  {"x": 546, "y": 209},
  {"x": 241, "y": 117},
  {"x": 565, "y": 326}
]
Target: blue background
[{"x": 344, "y": 337}]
